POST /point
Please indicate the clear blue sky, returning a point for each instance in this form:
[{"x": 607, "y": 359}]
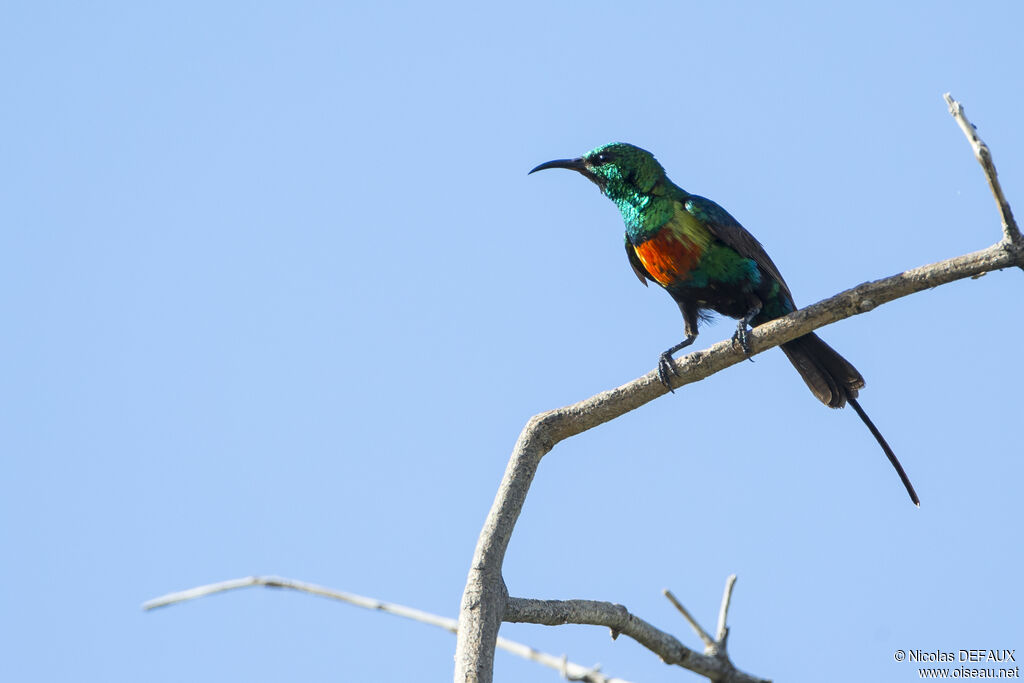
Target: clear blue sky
[{"x": 279, "y": 295}]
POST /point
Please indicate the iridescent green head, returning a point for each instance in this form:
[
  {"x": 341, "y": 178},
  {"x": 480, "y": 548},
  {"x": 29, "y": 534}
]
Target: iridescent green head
[{"x": 621, "y": 170}]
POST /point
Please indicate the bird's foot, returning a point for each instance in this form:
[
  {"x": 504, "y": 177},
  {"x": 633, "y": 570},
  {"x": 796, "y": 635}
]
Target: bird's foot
[
  {"x": 742, "y": 337},
  {"x": 666, "y": 368}
]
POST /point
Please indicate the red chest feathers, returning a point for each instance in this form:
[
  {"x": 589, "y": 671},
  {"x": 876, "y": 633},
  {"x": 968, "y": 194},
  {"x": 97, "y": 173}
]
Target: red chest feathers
[{"x": 668, "y": 257}]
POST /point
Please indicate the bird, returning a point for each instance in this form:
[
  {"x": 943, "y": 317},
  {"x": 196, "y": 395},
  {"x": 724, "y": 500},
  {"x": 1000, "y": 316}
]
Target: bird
[{"x": 707, "y": 262}]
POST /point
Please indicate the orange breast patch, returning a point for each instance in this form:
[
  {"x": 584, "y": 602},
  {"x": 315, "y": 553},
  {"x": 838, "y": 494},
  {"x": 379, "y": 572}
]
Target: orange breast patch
[{"x": 667, "y": 257}]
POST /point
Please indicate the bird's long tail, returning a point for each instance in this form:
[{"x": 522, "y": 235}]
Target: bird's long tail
[{"x": 835, "y": 382}]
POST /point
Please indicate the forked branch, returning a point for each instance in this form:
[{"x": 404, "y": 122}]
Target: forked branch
[{"x": 714, "y": 663}]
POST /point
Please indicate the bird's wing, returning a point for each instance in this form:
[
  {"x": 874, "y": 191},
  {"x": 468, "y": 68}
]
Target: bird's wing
[
  {"x": 728, "y": 230},
  {"x": 637, "y": 266}
]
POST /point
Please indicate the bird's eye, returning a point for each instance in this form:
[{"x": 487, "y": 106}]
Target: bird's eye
[{"x": 602, "y": 158}]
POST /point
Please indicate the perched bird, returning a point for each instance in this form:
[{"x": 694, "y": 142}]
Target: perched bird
[{"x": 706, "y": 260}]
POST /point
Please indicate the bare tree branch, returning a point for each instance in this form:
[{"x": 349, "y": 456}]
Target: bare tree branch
[
  {"x": 708, "y": 641},
  {"x": 714, "y": 663},
  {"x": 723, "y": 614},
  {"x": 1011, "y": 233},
  {"x": 485, "y": 598},
  {"x": 568, "y": 670}
]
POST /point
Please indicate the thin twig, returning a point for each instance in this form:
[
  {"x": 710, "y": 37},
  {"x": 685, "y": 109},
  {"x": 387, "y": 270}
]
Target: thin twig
[
  {"x": 1011, "y": 232},
  {"x": 709, "y": 642},
  {"x": 723, "y": 614},
  {"x": 569, "y": 670}
]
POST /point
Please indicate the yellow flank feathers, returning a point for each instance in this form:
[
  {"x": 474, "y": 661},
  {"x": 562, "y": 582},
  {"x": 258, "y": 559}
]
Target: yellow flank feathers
[{"x": 685, "y": 225}]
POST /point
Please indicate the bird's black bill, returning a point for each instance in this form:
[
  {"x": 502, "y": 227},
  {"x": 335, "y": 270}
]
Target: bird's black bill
[{"x": 571, "y": 164}]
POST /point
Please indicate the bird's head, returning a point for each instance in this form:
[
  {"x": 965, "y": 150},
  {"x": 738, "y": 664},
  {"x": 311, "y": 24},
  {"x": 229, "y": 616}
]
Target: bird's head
[{"x": 621, "y": 170}]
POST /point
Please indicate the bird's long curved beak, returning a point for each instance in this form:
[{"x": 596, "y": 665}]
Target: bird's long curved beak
[{"x": 571, "y": 164}]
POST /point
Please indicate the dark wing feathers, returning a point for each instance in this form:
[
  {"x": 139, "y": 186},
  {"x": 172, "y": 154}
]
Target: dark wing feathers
[
  {"x": 727, "y": 229},
  {"x": 637, "y": 266}
]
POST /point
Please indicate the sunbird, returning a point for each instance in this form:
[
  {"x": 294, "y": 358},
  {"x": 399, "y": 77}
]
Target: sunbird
[{"x": 706, "y": 260}]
